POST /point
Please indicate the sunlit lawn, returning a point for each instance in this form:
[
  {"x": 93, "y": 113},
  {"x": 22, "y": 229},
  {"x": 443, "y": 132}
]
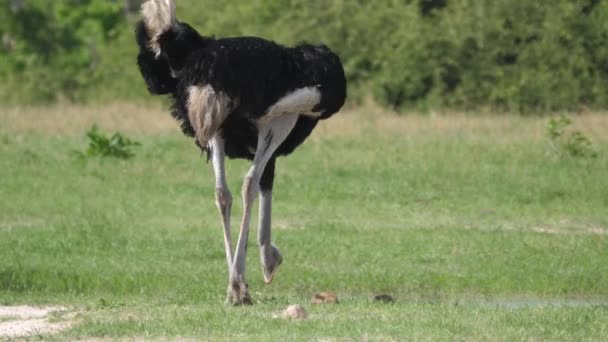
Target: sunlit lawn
[{"x": 475, "y": 225}]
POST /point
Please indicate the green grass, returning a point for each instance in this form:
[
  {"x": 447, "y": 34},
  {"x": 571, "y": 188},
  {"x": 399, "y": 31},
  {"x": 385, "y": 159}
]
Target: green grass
[{"x": 474, "y": 228}]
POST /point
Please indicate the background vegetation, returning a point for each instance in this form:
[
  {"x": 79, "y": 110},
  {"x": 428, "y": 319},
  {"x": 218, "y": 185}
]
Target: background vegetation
[{"x": 424, "y": 54}]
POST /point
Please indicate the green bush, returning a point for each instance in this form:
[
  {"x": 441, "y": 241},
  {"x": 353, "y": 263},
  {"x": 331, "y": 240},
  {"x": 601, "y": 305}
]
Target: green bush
[
  {"x": 423, "y": 54},
  {"x": 101, "y": 145},
  {"x": 566, "y": 142}
]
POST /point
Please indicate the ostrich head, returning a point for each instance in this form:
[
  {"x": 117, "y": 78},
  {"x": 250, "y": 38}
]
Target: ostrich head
[
  {"x": 155, "y": 71},
  {"x": 168, "y": 38}
]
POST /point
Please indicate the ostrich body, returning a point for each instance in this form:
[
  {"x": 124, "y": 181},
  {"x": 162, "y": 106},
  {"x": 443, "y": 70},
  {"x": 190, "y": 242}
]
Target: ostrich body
[{"x": 242, "y": 97}]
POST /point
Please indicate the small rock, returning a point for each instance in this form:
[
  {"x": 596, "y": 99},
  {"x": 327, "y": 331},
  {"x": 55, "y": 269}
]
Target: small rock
[
  {"x": 295, "y": 311},
  {"x": 384, "y": 298},
  {"x": 324, "y": 298}
]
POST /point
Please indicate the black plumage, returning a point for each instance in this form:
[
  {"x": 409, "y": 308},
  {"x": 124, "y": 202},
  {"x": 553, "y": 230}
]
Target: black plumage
[{"x": 255, "y": 71}]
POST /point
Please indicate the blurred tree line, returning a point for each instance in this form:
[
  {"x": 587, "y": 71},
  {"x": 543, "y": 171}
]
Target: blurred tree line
[{"x": 509, "y": 55}]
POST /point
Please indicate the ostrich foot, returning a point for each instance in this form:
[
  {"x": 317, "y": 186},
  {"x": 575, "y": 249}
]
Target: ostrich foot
[
  {"x": 238, "y": 294},
  {"x": 271, "y": 259}
]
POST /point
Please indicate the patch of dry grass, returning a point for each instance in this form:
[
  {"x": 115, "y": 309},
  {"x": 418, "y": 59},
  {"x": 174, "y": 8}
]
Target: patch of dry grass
[
  {"x": 502, "y": 127},
  {"x": 70, "y": 119},
  {"x": 154, "y": 118}
]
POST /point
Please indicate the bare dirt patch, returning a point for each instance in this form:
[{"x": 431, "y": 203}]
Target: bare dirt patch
[{"x": 24, "y": 320}]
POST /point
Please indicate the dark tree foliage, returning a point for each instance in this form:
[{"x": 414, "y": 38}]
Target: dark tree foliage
[
  {"x": 52, "y": 47},
  {"x": 407, "y": 54},
  {"x": 428, "y": 6},
  {"x": 588, "y": 7}
]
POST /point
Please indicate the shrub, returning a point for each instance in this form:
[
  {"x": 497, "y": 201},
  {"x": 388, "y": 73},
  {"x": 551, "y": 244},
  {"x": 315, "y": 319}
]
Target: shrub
[
  {"x": 565, "y": 142},
  {"x": 101, "y": 145}
]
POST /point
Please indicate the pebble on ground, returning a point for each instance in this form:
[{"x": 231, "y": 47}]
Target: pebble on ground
[{"x": 295, "y": 311}]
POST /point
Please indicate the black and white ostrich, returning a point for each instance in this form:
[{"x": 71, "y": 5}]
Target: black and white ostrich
[{"x": 241, "y": 97}]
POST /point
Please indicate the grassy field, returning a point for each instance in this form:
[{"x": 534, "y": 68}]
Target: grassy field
[{"x": 473, "y": 224}]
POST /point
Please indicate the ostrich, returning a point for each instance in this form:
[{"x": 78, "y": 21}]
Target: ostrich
[{"x": 242, "y": 97}]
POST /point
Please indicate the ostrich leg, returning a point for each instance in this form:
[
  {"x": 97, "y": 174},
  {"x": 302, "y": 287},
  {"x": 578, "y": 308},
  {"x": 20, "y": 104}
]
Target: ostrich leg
[
  {"x": 223, "y": 198},
  {"x": 269, "y": 254},
  {"x": 271, "y": 133}
]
